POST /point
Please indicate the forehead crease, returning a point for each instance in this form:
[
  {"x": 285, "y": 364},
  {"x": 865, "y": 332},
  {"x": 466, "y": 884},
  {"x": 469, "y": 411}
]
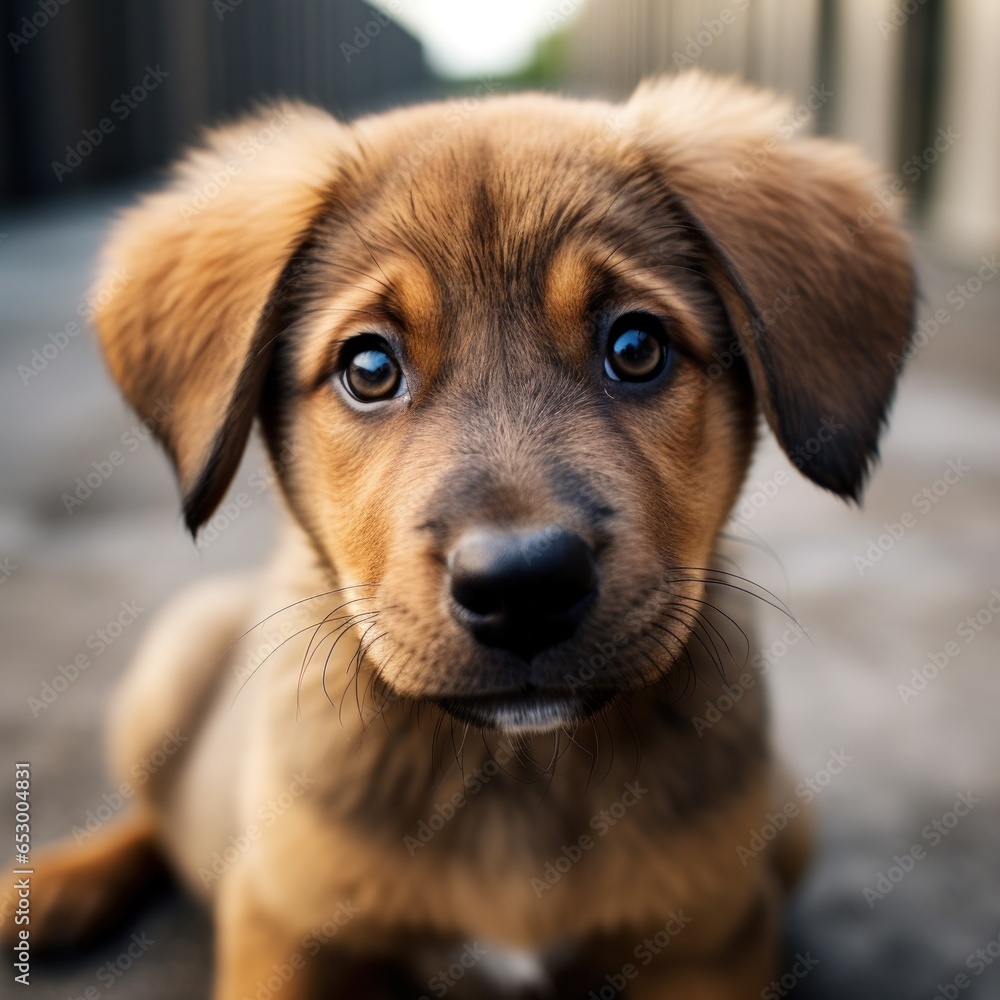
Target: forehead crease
[
  {"x": 489, "y": 237},
  {"x": 488, "y": 223}
]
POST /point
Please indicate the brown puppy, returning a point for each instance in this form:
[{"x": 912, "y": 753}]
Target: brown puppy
[{"x": 508, "y": 365}]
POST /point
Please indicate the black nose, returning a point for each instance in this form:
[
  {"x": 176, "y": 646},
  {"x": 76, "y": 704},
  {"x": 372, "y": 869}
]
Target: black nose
[{"x": 521, "y": 591}]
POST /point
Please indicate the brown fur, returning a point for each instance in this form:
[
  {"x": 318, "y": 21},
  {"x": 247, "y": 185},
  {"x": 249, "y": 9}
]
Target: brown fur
[{"x": 492, "y": 246}]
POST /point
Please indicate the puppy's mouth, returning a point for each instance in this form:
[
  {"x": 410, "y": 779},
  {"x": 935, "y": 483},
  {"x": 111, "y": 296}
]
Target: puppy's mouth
[{"x": 526, "y": 712}]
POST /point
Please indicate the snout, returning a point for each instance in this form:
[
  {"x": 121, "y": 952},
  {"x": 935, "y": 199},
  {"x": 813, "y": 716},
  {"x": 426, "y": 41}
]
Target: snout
[{"x": 522, "y": 591}]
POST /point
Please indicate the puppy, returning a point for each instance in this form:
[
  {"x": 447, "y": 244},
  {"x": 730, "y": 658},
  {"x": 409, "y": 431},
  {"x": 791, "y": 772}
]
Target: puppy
[{"x": 508, "y": 365}]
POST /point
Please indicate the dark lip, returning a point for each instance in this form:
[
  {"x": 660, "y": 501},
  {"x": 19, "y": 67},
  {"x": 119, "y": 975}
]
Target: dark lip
[{"x": 525, "y": 709}]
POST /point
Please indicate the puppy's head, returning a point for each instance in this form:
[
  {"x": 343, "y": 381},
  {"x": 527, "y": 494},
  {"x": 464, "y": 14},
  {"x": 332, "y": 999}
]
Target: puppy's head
[{"x": 511, "y": 357}]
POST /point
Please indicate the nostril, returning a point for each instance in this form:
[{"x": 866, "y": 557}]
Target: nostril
[
  {"x": 522, "y": 588},
  {"x": 477, "y": 594}
]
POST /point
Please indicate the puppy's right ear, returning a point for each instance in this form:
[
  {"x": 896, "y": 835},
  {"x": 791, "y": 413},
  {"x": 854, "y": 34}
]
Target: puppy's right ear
[{"x": 187, "y": 277}]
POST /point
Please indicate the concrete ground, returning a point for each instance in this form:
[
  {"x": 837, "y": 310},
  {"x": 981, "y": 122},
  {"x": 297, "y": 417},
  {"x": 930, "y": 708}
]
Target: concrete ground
[{"x": 888, "y": 764}]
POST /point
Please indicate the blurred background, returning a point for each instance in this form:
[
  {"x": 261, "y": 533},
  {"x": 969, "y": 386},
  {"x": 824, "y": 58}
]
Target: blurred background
[{"x": 897, "y": 678}]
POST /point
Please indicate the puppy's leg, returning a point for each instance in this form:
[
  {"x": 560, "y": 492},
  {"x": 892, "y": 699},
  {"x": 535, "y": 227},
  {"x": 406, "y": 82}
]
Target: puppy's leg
[
  {"x": 79, "y": 892},
  {"x": 251, "y": 947},
  {"x": 257, "y": 954},
  {"x": 740, "y": 969}
]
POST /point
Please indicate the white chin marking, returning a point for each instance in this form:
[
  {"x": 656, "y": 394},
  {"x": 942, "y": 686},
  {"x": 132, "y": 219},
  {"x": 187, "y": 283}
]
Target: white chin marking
[{"x": 529, "y": 717}]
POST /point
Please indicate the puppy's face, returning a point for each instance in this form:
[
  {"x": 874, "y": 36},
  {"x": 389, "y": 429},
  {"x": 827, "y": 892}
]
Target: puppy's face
[
  {"x": 490, "y": 348},
  {"x": 497, "y": 389}
]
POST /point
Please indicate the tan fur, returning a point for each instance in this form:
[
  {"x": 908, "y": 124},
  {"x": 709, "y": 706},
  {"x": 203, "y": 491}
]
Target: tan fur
[
  {"x": 490, "y": 245},
  {"x": 80, "y": 894}
]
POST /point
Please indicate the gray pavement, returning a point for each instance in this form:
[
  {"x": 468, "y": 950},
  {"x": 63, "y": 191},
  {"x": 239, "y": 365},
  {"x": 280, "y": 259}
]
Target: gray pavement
[{"x": 872, "y": 622}]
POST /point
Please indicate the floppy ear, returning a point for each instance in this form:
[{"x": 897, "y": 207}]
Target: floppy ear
[
  {"x": 814, "y": 272},
  {"x": 188, "y": 274}
]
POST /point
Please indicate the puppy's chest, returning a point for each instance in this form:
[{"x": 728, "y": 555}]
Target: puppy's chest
[
  {"x": 523, "y": 847},
  {"x": 522, "y": 866},
  {"x": 525, "y": 865}
]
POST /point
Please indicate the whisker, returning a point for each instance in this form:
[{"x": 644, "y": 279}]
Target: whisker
[
  {"x": 288, "y": 607},
  {"x": 683, "y": 650},
  {"x": 307, "y": 656},
  {"x": 718, "y": 610},
  {"x": 343, "y": 630},
  {"x": 611, "y": 747},
  {"x": 571, "y": 736},
  {"x": 703, "y": 621},
  {"x": 725, "y": 583},
  {"x": 357, "y": 673},
  {"x": 694, "y": 626},
  {"x": 550, "y": 770},
  {"x": 736, "y": 576},
  {"x": 693, "y": 633},
  {"x": 247, "y": 680},
  {"x": 757, "y": 542}
]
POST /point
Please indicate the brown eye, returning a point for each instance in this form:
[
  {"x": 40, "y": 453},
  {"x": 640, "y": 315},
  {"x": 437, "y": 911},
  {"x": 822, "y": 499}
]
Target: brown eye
[
  {"x": 371, "y": 374},
  {"x": 637, "y": 348}
]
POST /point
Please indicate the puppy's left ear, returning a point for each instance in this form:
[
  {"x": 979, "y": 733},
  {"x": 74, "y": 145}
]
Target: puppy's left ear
[
  {"x": 182, "y": 307},
  {"x": 814, "y": 272}
]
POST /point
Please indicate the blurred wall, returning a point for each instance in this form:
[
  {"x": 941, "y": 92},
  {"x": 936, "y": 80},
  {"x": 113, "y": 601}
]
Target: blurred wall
[
  {"x": 915, "y": 82},
  {"x": 92, "y": 90}
]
